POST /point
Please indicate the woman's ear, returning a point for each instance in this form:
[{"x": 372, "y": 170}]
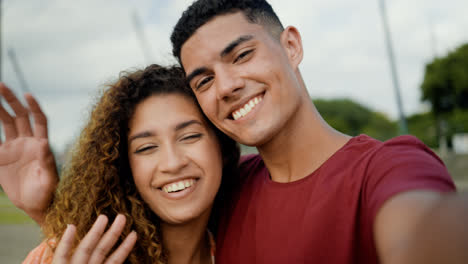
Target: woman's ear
[{"x": 291, "y": 41}]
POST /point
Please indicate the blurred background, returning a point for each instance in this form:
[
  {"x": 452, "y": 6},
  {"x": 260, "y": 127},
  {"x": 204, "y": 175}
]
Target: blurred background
[{"x": 374, "y": 67}]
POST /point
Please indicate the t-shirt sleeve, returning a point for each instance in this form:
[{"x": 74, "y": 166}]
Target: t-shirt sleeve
[{"x": 403, "y": 164}]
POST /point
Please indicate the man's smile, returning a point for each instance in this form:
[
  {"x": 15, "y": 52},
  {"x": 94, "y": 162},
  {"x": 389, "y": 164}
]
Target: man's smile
[{"x": 247, "y": 107}]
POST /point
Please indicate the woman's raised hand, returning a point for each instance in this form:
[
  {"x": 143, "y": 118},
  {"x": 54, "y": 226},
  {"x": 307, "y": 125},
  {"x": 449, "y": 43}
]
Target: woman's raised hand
[
  {"x": 28, "y": 174},
  {"x": 96, "y": 245}
]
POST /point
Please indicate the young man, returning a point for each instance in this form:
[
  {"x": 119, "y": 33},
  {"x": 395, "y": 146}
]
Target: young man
[{"x": 313, "y": 195}]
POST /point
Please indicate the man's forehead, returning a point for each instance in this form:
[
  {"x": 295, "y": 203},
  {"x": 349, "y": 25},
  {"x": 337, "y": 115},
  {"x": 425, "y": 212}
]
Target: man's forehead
[
  {"x": 229, "y": 20},
  {"x": 212, "y": 37}
]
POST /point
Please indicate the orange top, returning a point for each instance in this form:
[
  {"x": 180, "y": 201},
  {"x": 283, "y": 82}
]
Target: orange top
[{"x": 43, "y": 254}]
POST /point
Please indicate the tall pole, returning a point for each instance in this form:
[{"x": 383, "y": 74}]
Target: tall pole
[
  {"x": 16, "y": 67},
  {"x": 141, "y": 37},
  {"x": 1, "y": 80},
  {"x": 432, "y": 38},
  {"x": 1, "y": 24},
  {"x": 391, "y": 58}
]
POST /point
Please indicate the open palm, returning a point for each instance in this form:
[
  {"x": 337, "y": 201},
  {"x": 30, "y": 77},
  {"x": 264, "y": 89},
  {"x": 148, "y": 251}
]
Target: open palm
[{"x": 28, "y": 173}]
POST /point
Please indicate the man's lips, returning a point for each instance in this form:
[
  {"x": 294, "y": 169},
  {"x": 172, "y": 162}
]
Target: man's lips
[{"x": 247, "y": 107}]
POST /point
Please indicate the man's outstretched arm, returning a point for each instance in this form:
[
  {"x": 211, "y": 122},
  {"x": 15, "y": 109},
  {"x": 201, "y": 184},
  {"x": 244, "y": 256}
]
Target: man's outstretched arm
[
  {"x": 423, "y": 227},
  {"x": 28, "y": 174}
]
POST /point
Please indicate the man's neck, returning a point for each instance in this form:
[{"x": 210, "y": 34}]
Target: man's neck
[
  {"x": 188, "y": 243},
  {"x": 302, "y": 146}
]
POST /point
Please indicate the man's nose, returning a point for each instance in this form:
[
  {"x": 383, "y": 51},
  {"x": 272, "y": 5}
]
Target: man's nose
[{"x": 228, "y": 84}]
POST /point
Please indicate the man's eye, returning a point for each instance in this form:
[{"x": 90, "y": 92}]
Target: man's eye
[
  {"x": 144, "y": 149},
  {"x": 242, "y": 55},
  {"x": 204, "y": 81}
]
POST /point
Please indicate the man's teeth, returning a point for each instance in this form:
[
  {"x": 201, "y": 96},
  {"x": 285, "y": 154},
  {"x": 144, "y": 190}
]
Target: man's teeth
[
  {"x": 178, "y": 186},
  {"x": 243, "y": 111}
]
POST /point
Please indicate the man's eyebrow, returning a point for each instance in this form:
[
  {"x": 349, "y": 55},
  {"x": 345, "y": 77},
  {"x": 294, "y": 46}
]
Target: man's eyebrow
[
  {"x": 223, "y": 53},
  {"x": 196, "y": 72},
  {"x": 234, "y": 44},
  {"x": 187, "y": 123},
  {"x": 140, "y": 135}
]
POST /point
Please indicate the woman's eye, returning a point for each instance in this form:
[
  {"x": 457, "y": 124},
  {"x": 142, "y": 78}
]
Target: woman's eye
[
  {"x": 144, "y": 149},
  {"x": 242, "y": 55},
  {"x": 204, "y": 81},
  {"x": 191, "y": 138}
]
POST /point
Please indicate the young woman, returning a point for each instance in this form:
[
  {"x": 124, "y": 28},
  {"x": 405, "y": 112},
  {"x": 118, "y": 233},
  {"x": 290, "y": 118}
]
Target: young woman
[{"x": 149, "y": 154}]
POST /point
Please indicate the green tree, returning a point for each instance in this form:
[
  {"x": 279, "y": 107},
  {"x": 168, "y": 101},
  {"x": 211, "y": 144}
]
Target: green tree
[
  {"x": 353, "y": 118},
  {"x": 445, "y": 86},
  {"x": 423, "y": 126},
  {"x": 445, "y": 83},
  {"x": 458, "y": 121}
]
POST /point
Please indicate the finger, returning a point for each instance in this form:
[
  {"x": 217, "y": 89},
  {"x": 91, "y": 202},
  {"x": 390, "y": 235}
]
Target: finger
[
  {"x": 9, "y": 126},
  {"x": 108, "y": 240},
  {"x": 8, "y": 122},
  {"x": 65, "y": 245},
  {"x": 40, "y": 119},
  {"x": 121, "y": 253},
  {"x": 22, "y": 116},
  {"x": 47, "y": 161},
  {"x": 86, "y": 247}
]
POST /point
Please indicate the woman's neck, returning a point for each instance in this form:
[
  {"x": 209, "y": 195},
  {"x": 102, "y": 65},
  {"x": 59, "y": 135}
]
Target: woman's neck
[{"x": 188, "y": 242}]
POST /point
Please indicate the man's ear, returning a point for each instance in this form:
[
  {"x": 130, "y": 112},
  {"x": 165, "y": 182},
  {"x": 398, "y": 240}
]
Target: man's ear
[{"x": 291, "y": 41}]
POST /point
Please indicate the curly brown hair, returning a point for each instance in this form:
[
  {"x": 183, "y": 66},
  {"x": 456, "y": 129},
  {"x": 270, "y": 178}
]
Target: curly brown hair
[{"x": 98, "y": 179}]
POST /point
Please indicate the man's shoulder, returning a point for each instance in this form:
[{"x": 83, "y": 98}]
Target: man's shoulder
[
  {"x": 397, "y": 145},
  {"x": 400, "y": 152},
  {"x": 407, "y": 140},
  {"x": 404, "y": 146}
]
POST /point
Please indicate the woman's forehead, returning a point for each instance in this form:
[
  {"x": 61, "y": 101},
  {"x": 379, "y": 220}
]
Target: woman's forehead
[{"x": 165, "y": 111}]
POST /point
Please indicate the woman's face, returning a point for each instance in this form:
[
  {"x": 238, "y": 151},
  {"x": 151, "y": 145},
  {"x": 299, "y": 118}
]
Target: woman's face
[{"x": 175, "y": 158}]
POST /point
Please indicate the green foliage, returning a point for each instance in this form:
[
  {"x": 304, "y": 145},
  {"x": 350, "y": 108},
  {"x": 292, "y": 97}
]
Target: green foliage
[
  {"x": 458, "y": 121},
  {"x": 445, "y": 86},
  {"x": 423, "y": 126},
  {"x": 445, "y": 83},
  {"x": 380, "y": 127},
  {"x": 353, "y": 119},
  {"x": 9, "y": 214}
]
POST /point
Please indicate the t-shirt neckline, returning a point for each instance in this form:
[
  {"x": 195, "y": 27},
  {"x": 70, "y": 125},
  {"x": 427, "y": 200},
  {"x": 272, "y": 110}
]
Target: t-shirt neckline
[{"x": 266, "y": 174}]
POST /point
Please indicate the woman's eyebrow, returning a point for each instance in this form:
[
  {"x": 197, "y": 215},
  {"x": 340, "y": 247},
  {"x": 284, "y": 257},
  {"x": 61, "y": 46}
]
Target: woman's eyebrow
[
  {"x": 140, "y": 135},
  {"x": 187, "y": 123}
]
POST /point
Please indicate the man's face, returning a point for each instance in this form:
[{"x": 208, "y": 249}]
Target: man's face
[{"x": 244, "y": 79}]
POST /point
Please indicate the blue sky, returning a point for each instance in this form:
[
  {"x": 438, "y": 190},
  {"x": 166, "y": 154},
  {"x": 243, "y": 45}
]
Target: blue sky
[{"x": 69, "y": 49}]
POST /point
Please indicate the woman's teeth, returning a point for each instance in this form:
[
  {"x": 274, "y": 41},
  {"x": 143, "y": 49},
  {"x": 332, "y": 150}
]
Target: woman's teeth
[
  {"x": 243, "y": 111},
  {"x": 178, "y": 186}
]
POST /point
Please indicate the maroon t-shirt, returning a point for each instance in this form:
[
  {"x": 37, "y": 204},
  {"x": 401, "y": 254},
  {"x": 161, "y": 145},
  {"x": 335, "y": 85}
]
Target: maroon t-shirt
[{"x": 326, "y": 217}]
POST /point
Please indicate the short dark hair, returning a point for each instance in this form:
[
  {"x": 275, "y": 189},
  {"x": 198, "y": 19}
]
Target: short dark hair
[{"x": 202, "y": 11}]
